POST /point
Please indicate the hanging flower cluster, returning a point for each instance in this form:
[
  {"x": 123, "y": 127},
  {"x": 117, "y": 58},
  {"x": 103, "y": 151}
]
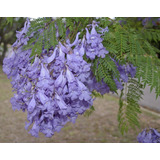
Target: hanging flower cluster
[
  {"x": 94, "y": 46},
  {"x": 58, "y": 85}
]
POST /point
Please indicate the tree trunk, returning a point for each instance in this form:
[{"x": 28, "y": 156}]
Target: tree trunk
[{"x": 3, "y": 53}]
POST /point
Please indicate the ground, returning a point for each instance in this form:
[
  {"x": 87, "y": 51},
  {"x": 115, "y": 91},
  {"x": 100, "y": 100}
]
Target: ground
[{"x": 101, "y": 126}]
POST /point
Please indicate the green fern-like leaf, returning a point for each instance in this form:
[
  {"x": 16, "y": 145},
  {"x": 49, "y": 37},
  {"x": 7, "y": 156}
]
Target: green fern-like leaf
[
  {"x": 46, "y": 38},
  {"x": 106, "y": 70},
  {"x": 89, "y": 111},
  {"x": 129, "y": 107}
]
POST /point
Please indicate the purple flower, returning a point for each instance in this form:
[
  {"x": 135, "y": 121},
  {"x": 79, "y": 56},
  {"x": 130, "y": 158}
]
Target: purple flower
[
  {"x": 131, "y": 70},
  {"x": 44, "y": 72},
  {"x": 118, "y": 84},
  {"x": 51, "y": 58},
  {"x": 60, "y": 102},
  {"x": 70, "y": 77},
  {"x": 75, "y": 41},
  {"x": 84, "y": 92},
  {"x": 42, "y": 97},
  {"x": 104, "y": 30},
  {"x": 32, "y": 104},
  {"x": 94, "y": 46},
  {"x": 122, "y": 72},
  {"x": 150, "y": 136},
  {"x": 35, "y": 130},
  {"x": 60, "y": 81}
]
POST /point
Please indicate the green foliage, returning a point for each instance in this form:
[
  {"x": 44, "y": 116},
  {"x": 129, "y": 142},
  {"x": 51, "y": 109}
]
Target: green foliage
[
  {"x": 8, "y": 28},
  {"x": 96, "y": 94},
  {"x": 89, "y": 111},
  {"x": 148, "y": 72},
  {"x": 151, "y": 35},
  {"x": 129, "y": 45},
  {"x": 128, "y": 105},
  {"x": 132, "y": 45},
  {"x": 77, "y": 24},
  {"x": 44, "y": 35},
  {"x": 9, "y": 20},
  {"x": 106, "y": 70}
]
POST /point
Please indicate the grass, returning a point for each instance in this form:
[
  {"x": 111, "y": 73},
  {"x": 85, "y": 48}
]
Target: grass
[{"x": 101, "y": 126}]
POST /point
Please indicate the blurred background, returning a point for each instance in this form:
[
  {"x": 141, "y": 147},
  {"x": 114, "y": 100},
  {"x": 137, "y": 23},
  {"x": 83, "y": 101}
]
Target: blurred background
[
  {"x": 8, "y": 34},
  {"x": 101, "y": 126}
]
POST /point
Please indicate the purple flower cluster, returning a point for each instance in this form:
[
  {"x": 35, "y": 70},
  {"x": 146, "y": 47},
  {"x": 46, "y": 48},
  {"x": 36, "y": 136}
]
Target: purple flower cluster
[
  {"x": 58, "y": 85},
  {"x": 151, "y": 136},
  {"x": 94, "y": 46},
  {"x": 125, "y": 71},
  {"x": 145, "y": 20},
  {"x": 92, "y": 85},
  {"x": 53, "y": 89}
]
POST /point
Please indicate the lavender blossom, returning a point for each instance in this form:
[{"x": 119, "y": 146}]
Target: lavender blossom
[
  {"x": 94, "y": 46},
  {"x": 149, "y": 136}
]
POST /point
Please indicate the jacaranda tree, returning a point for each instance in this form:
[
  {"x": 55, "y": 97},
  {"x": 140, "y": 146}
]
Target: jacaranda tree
[{"x": 59, "y": 65}]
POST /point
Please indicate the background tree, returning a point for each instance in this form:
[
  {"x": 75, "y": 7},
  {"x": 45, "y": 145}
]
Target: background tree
[{"x": 8, "y": 28}]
